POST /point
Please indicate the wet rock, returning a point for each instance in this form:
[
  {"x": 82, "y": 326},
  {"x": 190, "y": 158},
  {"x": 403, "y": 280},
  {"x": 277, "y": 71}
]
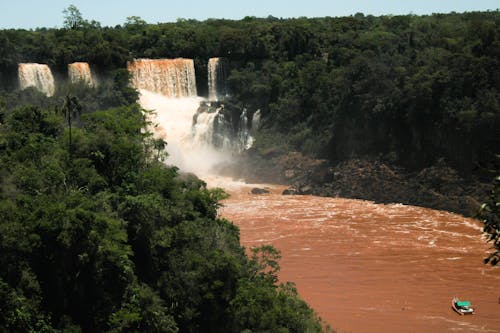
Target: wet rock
[
  {"x": 289, "y": 174},
  {"x": 257, "y": 190},
  {"x": 306, "y": 189},
  {"x": 290, "y": 191},
  {"x": 438, "y": 186}
]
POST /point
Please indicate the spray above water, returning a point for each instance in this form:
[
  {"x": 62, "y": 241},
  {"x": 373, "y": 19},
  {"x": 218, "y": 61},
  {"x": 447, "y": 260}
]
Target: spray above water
[
  {"x": 201, "y": 135},
  {"x": 189, "y": 145}
]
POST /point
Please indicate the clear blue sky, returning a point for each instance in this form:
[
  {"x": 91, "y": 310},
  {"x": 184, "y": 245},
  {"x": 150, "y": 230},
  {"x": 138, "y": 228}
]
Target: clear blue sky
[{"x": 48, "y": 13}]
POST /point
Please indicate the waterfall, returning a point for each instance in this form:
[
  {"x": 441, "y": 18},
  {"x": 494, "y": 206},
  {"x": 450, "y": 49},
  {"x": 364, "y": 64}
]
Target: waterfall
[
  {"x": 201, "y": 136},
  {"x": 223, "y": 131},
  {"x": 80, "y": 72},
  {"x": 169, "y": 77},
  {"x": 217, "y": 75},
  {"x": 38, "y": 76},
  {"x": 188, "y": 132},
  {"x": 256, "y": 121},
  {"x": 245, "y": 140}
]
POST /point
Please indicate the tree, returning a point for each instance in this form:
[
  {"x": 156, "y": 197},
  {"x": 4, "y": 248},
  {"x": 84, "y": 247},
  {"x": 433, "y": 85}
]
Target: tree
[
  {"x": 73, "y": 18},
  {"x": 134, "y": 21},
  {"x": 72, "y": 109}
]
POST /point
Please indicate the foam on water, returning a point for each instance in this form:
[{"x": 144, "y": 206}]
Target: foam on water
[{"x": 187, "y": 145}]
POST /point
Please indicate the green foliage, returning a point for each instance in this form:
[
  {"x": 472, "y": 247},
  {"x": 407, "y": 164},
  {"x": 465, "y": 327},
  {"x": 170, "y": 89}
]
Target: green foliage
[
  {"x": 98, "y": 235},
  {"x": 20, "y": 314},
  {"x": 423, "y": 87},
  {"x": 143, "y": 311},
  {"x": 264, "y": 263},
  {"x": 73, "y": 18}
]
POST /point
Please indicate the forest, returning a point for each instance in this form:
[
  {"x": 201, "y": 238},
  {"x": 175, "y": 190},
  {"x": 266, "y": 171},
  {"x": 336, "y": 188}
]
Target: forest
[
  {"x": 409, "y": 89},
  {"x": 97, "y": 234}
]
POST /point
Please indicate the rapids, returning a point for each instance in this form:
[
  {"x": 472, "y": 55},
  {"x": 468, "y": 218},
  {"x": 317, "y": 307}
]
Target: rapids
[
  {"x": 366, "y": 267},
  {"x": 189, "y": 146}
]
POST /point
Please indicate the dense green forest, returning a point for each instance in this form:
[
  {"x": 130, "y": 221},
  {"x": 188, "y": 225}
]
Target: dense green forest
[
  {"x": 409, "y": 89},
  {"x": 98, "y": 235}
]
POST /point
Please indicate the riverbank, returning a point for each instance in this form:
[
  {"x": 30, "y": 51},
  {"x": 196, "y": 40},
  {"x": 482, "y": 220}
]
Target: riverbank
[{"x": 438, "y": 186}]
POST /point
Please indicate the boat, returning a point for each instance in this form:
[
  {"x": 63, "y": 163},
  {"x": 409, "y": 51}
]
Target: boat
[{"x": 461, "y": 307}]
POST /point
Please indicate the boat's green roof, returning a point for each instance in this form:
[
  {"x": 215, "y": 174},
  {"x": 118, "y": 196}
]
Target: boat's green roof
[{"x": 463, "y": 303}]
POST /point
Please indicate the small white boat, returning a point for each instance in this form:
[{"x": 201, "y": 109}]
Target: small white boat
[{"x": 461, "y": 307}]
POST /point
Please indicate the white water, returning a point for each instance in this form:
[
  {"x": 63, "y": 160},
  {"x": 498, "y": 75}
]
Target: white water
[
  {"x": 169, "y": 77},
  {"x": 36, "y": 75},
  {"x": 189, "y": 147},
  {"x": 216, "y": 79},
  {"x": 199, "y": 139},
  {"x": 367, "y": 267},
  {"x": 80, "y": 72}
]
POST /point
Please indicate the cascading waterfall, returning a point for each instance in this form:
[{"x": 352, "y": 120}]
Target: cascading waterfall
[
  {"x": 38, "y": 76},
  {"x": 169, "y": 77},
  {"x": 80, "y": 72},
  {"x": 245, "y": 139},
  {"x": 188, "y": 134},
  {"x": 217, "y": 75},
  {"x": 231, "y": 131},
  {"x": 200, "y": 135},
  {"x": 256, "y": 120},
  {"x": 223, "y": 132}
]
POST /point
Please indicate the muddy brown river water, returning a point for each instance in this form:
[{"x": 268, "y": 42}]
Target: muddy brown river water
[
  {"x": 367, "y": 267},
  {"x": 363, "y": 267}
]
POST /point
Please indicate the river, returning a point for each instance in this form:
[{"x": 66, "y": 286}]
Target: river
[
  {"x": 366, "y": 267},
  {"x": 363, "y": 267}
]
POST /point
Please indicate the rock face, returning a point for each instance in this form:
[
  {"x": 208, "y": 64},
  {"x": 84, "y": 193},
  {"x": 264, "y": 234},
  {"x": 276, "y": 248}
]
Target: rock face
[
  {"x": 290, "y": 191},
  {"x": 436, "y": 187}
]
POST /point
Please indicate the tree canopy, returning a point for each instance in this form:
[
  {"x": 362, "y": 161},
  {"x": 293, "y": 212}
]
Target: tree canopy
[
  {"x": 73, "y": 18},
  {"x": 97, "y": 234}
]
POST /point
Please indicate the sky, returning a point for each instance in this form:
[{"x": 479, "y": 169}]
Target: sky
[{"x": 29, "y": 14}]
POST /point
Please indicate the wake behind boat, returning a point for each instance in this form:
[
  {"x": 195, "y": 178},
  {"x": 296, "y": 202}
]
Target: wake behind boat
[{"x": 461, "y": 307}]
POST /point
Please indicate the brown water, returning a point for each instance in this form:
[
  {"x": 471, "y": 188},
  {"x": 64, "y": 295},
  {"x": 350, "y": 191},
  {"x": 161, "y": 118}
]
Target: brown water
[{"x": 368, "y": 267}]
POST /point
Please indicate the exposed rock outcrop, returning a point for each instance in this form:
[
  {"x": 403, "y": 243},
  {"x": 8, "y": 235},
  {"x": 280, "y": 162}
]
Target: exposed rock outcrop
[
  {"x": 257, "y": 190},
  {"x": 437, "y": 187}
]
